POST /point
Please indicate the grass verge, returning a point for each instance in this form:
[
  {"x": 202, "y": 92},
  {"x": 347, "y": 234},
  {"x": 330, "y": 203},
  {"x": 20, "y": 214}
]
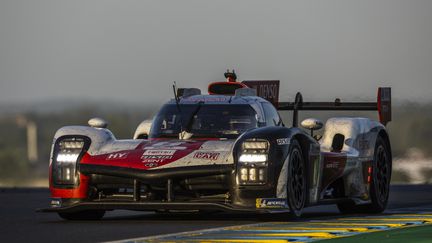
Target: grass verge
[{"x": 418, "y": 234}]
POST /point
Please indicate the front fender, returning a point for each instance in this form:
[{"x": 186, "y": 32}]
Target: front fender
[
  {"x": 280, "y": 140},
  {"x": 102, "y": 139}
]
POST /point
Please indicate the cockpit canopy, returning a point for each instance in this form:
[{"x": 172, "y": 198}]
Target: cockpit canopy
[{"x": 204, "y": 120}]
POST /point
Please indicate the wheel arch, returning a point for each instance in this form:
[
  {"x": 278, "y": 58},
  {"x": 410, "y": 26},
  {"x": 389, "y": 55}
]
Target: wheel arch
[
  {"x": 305, "y": 143},
  {"x": 383, "y": 134}
]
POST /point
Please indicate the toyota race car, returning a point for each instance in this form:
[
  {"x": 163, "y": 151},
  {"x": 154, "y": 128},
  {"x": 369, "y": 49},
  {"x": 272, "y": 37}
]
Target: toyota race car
[{"x": 226, "y": 151}]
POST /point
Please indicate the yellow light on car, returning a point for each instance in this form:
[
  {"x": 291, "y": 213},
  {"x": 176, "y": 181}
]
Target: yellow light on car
[
  {"x": 243, "y": 174},
  {"x": 252, "y": 174},
  {"x": 261, "y": 174},
  {"x": 68, "y": 158},
  {"x": 249, "y": 145},
  {"x": 72, "y": 144},
  {"x": 68, "y": 174}
]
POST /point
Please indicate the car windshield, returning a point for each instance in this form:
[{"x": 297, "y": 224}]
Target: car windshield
[{"x": 204, "y": 120}]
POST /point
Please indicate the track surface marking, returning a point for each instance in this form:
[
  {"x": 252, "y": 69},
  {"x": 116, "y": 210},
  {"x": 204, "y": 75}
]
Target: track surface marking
[{"x": 298, "y": 231}]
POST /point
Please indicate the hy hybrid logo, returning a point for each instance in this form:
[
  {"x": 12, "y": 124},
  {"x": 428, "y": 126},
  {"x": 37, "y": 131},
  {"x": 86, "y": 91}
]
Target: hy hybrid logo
[{"x": 114, "y": 156}]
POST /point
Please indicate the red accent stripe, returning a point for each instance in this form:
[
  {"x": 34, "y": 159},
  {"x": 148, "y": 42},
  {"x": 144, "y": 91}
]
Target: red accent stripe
[{"x": 78, "y": 192}]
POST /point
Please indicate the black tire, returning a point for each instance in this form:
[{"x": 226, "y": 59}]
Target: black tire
[
  {"x": 381, "y": 176},
  {"x": 83, "y": 215},
  {"x": 296, "y": 180},
  {"x": 380, "y": 184}
]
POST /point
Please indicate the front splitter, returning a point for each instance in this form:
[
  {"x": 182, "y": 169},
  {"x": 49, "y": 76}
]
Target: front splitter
[{"x": 154, "y": 206}]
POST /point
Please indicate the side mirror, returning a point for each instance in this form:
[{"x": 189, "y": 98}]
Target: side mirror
[
  {"x": 337, "y": 143},
  {"x": 143, "y": 130},
  {"x": 312, "y": 124},
  {"x": 98, "y": 123}
]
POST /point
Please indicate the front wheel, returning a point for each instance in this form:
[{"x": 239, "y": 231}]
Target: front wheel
[
  {"x": 83, "y": 215},
  {"x": 296, "y": 180}
]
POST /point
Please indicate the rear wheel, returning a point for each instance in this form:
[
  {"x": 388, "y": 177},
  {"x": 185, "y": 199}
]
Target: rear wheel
[
  {"x": 296, "y": 180},
  {"x": 380, "y": 184},
  {"x": 381, "y": 174},
  {"x": 83, "y": 215}
]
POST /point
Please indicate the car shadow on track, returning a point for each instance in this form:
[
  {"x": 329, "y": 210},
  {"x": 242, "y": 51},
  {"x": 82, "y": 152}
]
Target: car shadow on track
[{"x": 214, "y": 216}]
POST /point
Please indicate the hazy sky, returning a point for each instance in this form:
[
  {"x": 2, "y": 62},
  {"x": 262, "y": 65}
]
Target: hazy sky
[{"x": 133, "y": 50}]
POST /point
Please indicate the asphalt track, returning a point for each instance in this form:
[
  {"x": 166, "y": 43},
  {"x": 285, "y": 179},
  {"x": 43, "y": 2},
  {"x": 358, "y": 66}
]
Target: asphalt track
[{"x": 20, "y": 223}]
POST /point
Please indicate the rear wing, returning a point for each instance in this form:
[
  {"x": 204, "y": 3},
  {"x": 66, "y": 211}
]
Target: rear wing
[{"x": 383, "y": 106}]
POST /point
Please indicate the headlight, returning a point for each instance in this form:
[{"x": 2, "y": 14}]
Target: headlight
[
  {"x": 255, "y": 145},
  {"x": 67, "y": 152},
  {"x": 244, "y": 174},
  {"x": 253, "y": 158},
  {"x": 253, "y": 161},
  {"x": 254, "y": 151}
]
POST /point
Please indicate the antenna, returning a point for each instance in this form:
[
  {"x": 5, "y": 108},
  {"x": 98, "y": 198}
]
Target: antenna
[
  {"x": 177, "y": 99},
  {"x": 175, "y": 92}
]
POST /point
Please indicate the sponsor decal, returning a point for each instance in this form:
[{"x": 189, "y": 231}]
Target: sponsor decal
[
  {"x": 151, "y": 157},
  {"x": 165, "y": 145},
  {"x": 155, "y": 158},
  {"x": 267, "y": 89},
  {"x": 157, "y": 161},
  {"x": 332, "y": 165},
  {"x": 283, "y": 141},
  {"x": 151, "y": 164},
  {"x": 159, "y": 152},
  {"x": 206, "y": 155},
  {"x": 114, "y": 156},
  {"x": 271, "y": 203},
  {"x": 207, "y": 99}
]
